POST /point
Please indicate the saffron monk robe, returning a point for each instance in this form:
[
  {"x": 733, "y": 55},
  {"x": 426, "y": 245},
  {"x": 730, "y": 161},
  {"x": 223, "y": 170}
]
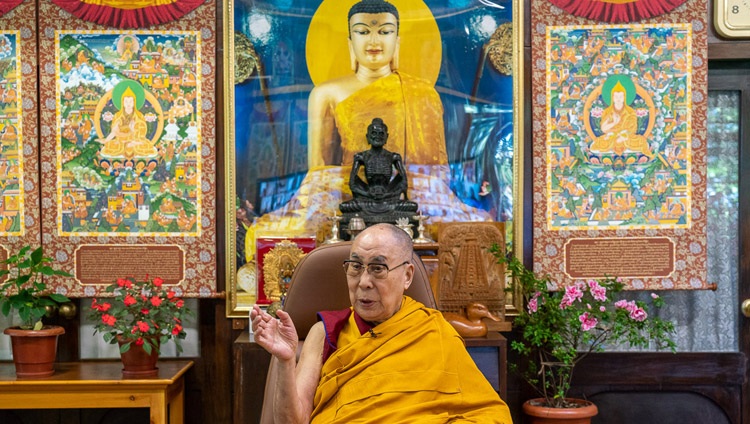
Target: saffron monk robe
[{"x": 388, "y": 358}]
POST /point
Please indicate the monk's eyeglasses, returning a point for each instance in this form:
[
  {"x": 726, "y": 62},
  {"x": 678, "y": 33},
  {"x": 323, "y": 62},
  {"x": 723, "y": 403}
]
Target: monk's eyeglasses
[{"x": 377, "y": 271}]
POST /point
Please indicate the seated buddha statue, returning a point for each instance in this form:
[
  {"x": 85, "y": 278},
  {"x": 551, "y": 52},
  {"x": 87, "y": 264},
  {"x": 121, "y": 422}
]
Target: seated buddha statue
[{"x": 383, "y": 191}]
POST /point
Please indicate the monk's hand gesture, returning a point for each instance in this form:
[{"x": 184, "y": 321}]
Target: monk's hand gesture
[{"x": 277, "y": 336}]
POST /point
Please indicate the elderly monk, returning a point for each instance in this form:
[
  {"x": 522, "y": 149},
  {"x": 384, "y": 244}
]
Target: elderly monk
[{"x": 387, "y": 359}]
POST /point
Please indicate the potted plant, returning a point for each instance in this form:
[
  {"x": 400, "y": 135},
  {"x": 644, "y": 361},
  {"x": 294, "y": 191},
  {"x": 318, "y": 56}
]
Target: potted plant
[
  {"x": 559, "y": 326},
  {"x": 34, "y": 344},
  {"x": 141, "y": 317}
]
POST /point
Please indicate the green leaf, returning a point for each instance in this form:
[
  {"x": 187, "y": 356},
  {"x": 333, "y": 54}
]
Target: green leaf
[
  {"x": 37, "y": 255},
  {"x": 59, "y": 298}
]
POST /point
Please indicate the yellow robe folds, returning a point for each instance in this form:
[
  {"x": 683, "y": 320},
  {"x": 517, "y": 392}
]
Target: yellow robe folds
[
  {"x": 409, "y": 106},
  {"x": 415, "y": 370}
]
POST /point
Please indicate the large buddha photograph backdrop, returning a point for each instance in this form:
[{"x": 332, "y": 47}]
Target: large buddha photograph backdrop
[{"x": 310, "y": 76}]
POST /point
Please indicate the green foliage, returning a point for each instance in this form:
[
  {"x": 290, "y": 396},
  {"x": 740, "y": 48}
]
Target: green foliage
[
  {"x": 24, "y": 290},
  {"x": 558, "y": 328}
]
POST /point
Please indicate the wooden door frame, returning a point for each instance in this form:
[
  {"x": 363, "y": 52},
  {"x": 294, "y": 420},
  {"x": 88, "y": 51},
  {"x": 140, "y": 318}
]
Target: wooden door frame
[{"x": 735, "y": 76}]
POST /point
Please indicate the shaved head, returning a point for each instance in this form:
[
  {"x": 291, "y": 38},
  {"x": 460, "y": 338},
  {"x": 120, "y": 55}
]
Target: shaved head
[{"x": 401, "y": 241}]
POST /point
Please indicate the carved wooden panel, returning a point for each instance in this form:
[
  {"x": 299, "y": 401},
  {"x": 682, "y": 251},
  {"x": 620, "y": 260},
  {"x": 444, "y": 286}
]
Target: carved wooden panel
[{"x": 467, "y": 271}]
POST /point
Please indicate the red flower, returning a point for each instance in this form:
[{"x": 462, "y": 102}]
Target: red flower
[
  {"x": 104, "y": 307},
  {"x": 139, "y": 341},
  {"x": 122, "y": 282},
  {"x": 158, "y": 282},
  {"x": 170, "y": 294},
  {"x": 145, "y": 311},
  {"x": 156, "y": 301},
  {"x": 176, "y": 330},
  {"x": 180, "y": 303},
  {"x": 129, "y": 300},
  {"x": 144, "y": 327},
  {"x": 109, "y": 319}
]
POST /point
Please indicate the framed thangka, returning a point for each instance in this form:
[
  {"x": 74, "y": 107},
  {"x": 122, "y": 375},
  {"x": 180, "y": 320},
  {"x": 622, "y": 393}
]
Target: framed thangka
[
  {"x": 19, "y": 164},
  {"x": 623, "y": 192},
  {"x": 130, "y": 115},
  {"x": 299, "y": 102}
]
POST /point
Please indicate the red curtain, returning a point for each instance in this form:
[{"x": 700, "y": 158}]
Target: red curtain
[
  {"x": 617, "y": 11},
  {"x": 8, "y": 5},
  {"x": 129, "y": 14}
]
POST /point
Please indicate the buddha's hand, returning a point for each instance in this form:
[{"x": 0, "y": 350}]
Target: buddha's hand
[{"x": 277, "y": 336}]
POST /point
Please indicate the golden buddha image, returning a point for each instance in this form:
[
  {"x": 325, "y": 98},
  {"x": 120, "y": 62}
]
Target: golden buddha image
[
  {"x": 127, "y": 138},
  {"x": 618, "y": 126},
  {"x": 340, "y": 108}
]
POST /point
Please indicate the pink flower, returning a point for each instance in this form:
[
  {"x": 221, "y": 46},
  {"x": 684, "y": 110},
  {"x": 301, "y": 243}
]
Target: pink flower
[
  {"x": 599, "y": 292},
  {"x": 587, "y": 321},
  {"x": 623, "y": 304},
  {"x": 602, "y": 308},
  {"x": 572, "y": 293},
  {"x": 129, "y": 300},
  {"x": 654, "y": 296},
  {"x": 534, "y": 302},
  {"x": 638, "y": 314}
]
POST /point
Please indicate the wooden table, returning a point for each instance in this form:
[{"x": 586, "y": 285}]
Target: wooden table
[{"x": 99, "y": 385}]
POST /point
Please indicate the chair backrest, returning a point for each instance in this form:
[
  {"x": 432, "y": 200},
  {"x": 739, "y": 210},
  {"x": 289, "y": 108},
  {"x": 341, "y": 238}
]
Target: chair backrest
[{"x": 319, "y": 284}]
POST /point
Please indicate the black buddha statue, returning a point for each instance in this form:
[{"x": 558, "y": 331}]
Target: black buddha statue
[{"x": 381, "y": 196}]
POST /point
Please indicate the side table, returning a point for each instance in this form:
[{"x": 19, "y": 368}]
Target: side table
[{"x": 99, "y": 385}]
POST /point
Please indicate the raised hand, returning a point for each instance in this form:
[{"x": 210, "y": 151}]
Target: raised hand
[{"x": 277, "y": 336}]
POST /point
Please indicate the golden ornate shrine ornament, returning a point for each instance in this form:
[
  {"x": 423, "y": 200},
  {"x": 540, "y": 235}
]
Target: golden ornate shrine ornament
[{"x": 278, "y": 266}]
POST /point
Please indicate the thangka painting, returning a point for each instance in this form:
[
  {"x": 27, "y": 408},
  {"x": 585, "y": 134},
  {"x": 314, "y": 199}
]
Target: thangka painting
[
  {"x": 301, "y": 103},
  {"x": 128, "y": 151},
  {"x": 129, "y": 130},
  {"x": 11, "y": 136},
  {"x": 19, "y": 153},
  {"x": 619, "y": 127},
  {"x": 620, "y": 144}
]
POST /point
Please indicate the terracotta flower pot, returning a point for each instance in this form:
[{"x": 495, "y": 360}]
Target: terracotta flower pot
[
  {"x": 539, "y": 414},
  {"x": 136, "y": 362},
  {"x": 34, "y": 351}
]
